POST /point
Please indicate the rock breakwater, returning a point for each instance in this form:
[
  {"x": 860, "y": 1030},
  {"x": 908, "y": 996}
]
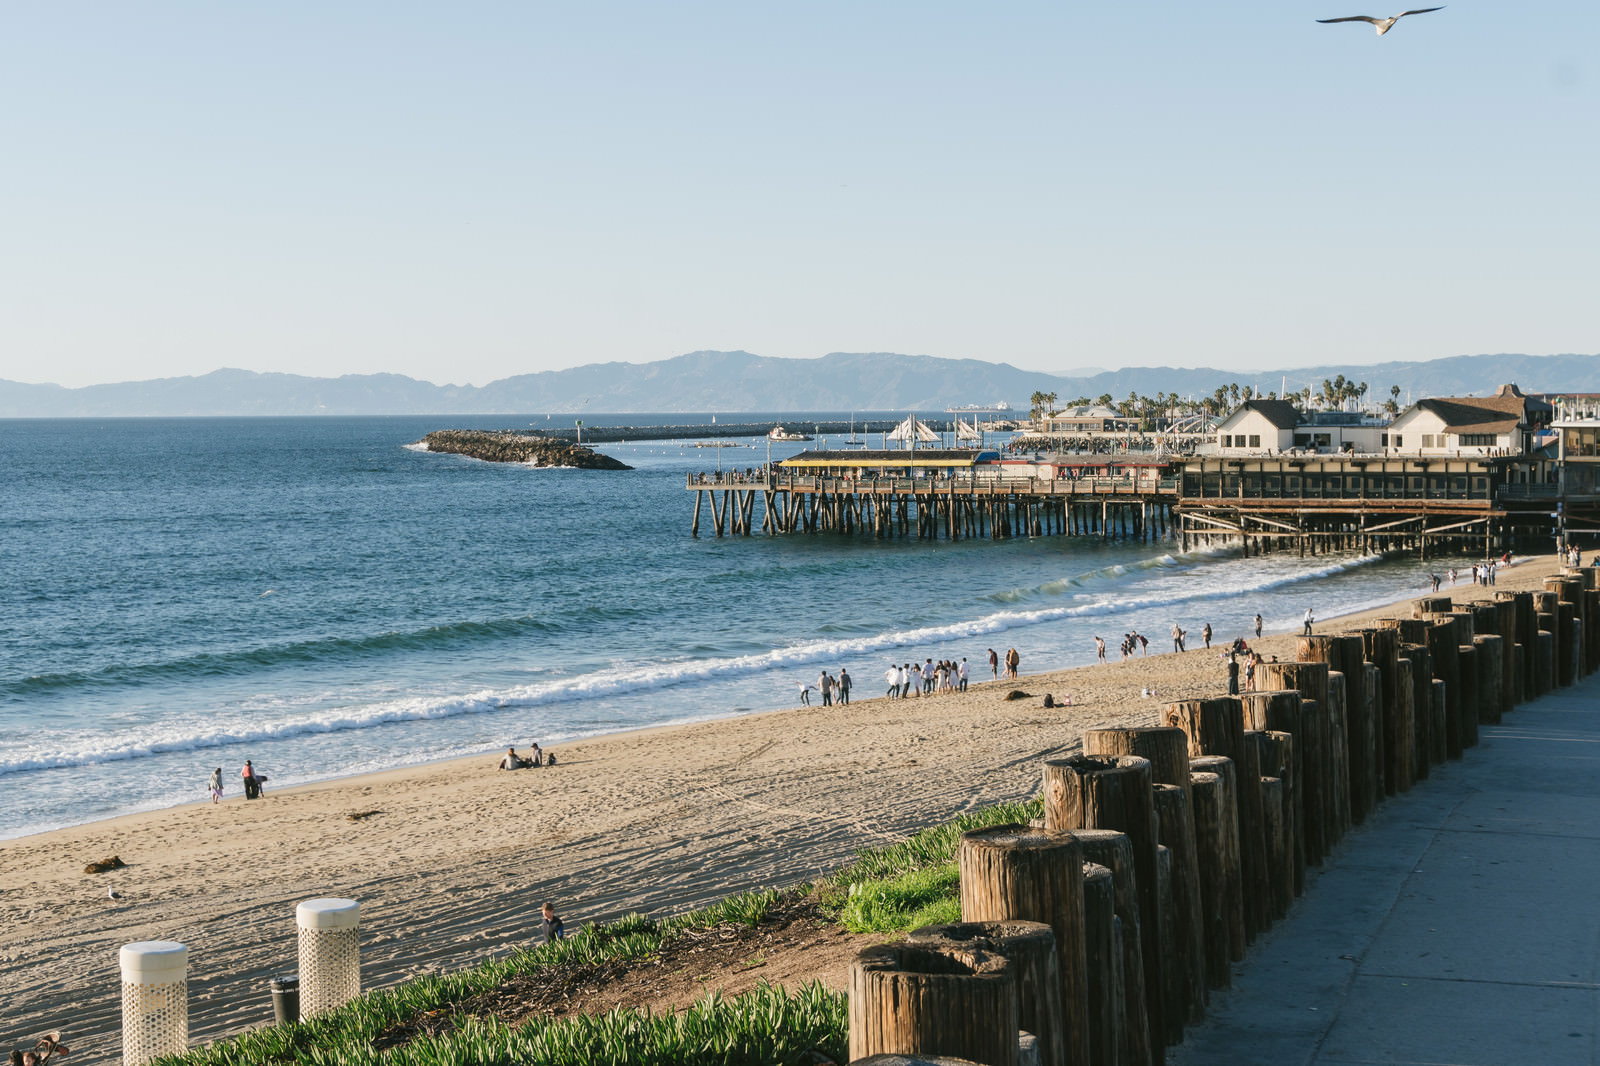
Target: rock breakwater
[{"x": 509, "y": 446}]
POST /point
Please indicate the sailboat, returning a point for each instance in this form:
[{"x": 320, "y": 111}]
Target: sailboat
[{"x": 853, "y": 441}]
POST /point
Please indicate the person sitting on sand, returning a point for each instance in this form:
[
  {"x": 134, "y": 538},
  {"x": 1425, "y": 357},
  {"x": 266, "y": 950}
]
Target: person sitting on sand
[
  {"x": 511, "y": 760},
  {"x": 553, "y": 927},
  {"x": 536, "y": 756}
]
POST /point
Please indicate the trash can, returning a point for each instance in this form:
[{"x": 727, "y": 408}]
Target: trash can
[{"x": 285, "y": 999}]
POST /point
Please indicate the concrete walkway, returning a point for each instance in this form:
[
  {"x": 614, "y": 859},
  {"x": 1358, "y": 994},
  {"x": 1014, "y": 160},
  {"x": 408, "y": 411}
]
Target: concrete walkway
[{"x": 1459, "y": 925}]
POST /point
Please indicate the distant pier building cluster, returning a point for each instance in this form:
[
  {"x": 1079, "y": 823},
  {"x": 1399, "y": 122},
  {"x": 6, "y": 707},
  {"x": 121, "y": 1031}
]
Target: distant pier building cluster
[{"x": 1461, "y": 474}]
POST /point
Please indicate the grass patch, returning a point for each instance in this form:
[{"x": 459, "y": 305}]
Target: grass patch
[
  {"x": 929, "y": 896},
  {"x": 439, "y": 1021}
]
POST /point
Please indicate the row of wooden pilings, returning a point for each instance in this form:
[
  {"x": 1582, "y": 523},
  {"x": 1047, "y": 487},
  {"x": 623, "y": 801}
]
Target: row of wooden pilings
[
  {"x": 933, "y": 512},
  {"x": 1094, "y": 938}
]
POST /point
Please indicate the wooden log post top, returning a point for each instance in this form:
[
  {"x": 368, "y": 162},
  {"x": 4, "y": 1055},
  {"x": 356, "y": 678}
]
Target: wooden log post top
[
  {"x": 1031, "y": 949},
  {"x": 1114, "y": 792},
  {"x": 1019, "y": 873},
  {"x": 1166, "y": 747},
  {"x": 907, "y": 999},
  {"x": 1213, "y": 727},
  {"x": 1427, "y": 605},
  {"x": 1272, "y": 709},
  {"x": 1411, "y": 630},
  {"x": 1466, "y": 619}
]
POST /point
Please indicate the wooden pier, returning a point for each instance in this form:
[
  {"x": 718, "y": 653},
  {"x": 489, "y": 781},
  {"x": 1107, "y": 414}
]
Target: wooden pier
[{"x": 1308, "y": 504}]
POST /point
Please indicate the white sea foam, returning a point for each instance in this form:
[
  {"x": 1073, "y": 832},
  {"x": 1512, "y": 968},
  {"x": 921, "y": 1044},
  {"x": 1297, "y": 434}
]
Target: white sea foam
[{"x": 650, "y": 676}]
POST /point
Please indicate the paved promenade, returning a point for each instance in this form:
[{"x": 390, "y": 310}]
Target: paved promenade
[{"x": 1460, "y": 925}]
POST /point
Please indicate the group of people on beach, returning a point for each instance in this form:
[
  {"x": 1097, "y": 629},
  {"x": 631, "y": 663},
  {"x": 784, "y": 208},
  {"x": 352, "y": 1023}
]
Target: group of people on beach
[
  {"x": 252, "y": 783},
  {"x": 926, "y": 679},
  {"x": 536, "y": 757},
  {"x": 833, "y": 689}
]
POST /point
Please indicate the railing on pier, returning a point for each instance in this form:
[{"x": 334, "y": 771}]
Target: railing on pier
[{"x": 978, "y": 485}]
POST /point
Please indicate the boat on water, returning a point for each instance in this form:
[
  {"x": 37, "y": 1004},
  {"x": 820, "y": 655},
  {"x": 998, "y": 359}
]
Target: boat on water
[{"x": 779, "y": 433}]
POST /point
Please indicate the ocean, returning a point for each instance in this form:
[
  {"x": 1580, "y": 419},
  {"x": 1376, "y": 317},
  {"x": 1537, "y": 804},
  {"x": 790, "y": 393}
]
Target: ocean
[{"x": 320, "y": 596}]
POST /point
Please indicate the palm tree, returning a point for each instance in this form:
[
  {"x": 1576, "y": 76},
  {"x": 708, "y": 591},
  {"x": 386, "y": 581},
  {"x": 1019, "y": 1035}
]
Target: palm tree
[{"x": 1036, "y": 402}]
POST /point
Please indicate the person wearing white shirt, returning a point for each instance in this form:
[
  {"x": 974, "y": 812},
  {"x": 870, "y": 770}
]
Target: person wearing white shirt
[{"x": 962, "y": 674}]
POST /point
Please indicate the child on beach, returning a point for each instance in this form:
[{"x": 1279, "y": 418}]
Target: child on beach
[{"x": 553, "y": 927}]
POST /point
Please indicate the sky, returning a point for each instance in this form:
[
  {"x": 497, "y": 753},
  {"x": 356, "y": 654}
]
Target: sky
[{"x": 462, "y": 192}]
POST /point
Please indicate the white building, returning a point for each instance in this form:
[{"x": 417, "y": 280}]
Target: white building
[
  {"x": 1258, "y": 426},
  {"x": 1503, "y": 424}
]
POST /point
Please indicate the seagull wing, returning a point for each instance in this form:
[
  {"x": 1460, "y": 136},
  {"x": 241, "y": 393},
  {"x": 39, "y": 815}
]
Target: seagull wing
[
  {"x": 1421, "y": 11},
  {"x": 1354, "y": 18}
]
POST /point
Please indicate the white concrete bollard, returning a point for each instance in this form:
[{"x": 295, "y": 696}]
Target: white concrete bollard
[
  {"x": 155, "y": 1000},
  {"x": 330, "y": 954}
]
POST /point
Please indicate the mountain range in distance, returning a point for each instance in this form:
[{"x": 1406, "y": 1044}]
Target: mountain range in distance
[{"x": 741, "y": 381}]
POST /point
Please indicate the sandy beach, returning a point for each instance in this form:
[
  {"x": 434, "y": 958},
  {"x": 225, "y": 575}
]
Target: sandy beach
[{"x": 451, "y": 861}]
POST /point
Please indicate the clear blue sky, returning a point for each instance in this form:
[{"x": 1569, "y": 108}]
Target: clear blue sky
[{"x": 460, "y": 192}]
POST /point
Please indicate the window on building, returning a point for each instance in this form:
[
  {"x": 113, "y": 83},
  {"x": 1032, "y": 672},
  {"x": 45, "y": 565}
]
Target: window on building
[
  {"x": 1399, "y": 440},
  {"x": 1478, "y": 440},
  {"x": 1255, "y": 440},
  {"x": 1227, "y": 440}
]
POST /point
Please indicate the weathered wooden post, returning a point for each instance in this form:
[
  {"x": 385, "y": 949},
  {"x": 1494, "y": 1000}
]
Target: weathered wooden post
[
  {"x": 1421, "y": 662},
  {"x": 1277, "y": 763},
  {"x": 1210, "y": 816},
  {"x": 909, "y": 1000},
  {"x": 1383, "y": 651},
  {"x": 1338, "y": 756},
  {"x": 1491, "y": 659},
  {"x": 1114, "y": 792},
  {"x": 1172, "y": 992},
  {"x": 1429, "y": 605},
  {"x": 1280, "y": 869},
  {"x": 1017, "y": 873},
  {"x": 1467, "y": 673},
  {"x": 1346, "y": 654},
  {"x": 1188, "y": 965},
  {"x": 1114, "y": 851},
  {"x": 1103, "y": 959},
  {"x": 1278, "y": 713},
  {"x": 1439, "y": 709},
  {"x": 1227, "y": 772},
  {"x": 1031, "y": 949},
  {"x": 1216, "y": 727},
  {"x": 1312, "y": 740},
  {"x": 1443, "y": 652}
]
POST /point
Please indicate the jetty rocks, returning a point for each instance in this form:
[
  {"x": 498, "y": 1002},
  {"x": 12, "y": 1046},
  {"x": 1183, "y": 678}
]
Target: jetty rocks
[{"x": 510, "y": 446}]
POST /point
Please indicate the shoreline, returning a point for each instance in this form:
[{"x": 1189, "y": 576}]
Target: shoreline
[{"x": 452, "y": 866}]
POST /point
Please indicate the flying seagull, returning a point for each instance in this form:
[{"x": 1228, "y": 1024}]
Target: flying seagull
[{"x": 1385, "y": 25}]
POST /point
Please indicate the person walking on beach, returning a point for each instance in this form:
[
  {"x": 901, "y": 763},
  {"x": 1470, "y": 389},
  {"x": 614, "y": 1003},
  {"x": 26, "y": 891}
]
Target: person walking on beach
[
  {"x": 927, "y": 678},
  {"x": 1233, "y": 675},
  {"x": 906, "y": 679},
  {"x": 1099, "y": 649},
  {"x": 1258, "y": 627},
  {"x": 843, "y": 685},
  {"x": 1144, "y": 642},
  {"x": 825, "y": 684},
  {"x": 914, "y": 678},
  {"x": 216, "y": 785},
  {"x": 554, "y": 929},
  {"x": 891, "y": 677},
  {"x": 805, "y": 693},
  {"x": 994, "y": 664},
  {"x": 1013, "y": 660},
  {"x": 1205, "y": 635},
  {"x": 1306, "y": 632},
  {"x": 252, "y": 783}
]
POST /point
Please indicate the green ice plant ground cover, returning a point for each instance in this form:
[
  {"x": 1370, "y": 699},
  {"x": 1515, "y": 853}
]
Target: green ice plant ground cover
[{"x": 889, "y": 890}]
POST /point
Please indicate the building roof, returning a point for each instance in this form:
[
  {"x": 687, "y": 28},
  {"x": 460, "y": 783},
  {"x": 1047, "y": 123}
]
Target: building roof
[
  {"x": 1501, "y": 413},
  {"x": 1281, "y": 413}
]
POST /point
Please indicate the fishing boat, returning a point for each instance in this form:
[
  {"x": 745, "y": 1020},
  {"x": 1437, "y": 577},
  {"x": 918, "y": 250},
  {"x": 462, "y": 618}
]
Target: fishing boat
[{"x": 779, "y": 433}]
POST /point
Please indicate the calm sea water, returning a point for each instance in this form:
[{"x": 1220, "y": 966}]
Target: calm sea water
[{"x": 316, "y": 596}]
